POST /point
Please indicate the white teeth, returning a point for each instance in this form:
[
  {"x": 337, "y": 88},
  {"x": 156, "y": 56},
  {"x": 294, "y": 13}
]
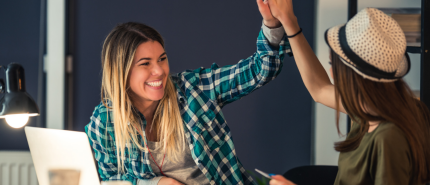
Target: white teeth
[{"x": 154, "y": 84}]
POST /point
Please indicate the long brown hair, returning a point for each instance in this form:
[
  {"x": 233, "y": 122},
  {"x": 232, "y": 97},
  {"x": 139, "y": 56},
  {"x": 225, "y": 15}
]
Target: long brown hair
[{"x": 390, "y": 101}]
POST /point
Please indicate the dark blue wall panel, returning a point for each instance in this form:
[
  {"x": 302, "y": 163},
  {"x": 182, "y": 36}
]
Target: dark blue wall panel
[
  {"x": 19, "y": 42},
  {"x": 271, "y": 127}
]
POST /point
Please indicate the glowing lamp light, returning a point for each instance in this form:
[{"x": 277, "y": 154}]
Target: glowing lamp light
[
  {"x": 17, "y": 121},
  {"x": 16, "y": 104}
]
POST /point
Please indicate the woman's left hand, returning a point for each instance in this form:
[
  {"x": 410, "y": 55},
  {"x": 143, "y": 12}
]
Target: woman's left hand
[
  {"x": 268, "y": 18},
  {"x": 280, "y": 180}
]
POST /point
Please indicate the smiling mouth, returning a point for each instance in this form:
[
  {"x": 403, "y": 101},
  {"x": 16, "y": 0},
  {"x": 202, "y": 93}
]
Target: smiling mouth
[{"x": 154, "y": 83}]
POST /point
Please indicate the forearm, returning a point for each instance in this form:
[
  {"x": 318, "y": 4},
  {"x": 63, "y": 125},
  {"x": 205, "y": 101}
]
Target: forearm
[
  {"x": 229, "y": 83},
  {"x": 312, "y": 72},
  {"x": 153, "y": 181}
]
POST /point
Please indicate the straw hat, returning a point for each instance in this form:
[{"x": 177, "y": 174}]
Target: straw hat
[{"x": 372, "y": 44}]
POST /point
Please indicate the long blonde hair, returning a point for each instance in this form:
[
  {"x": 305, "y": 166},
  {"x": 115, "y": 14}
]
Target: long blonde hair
[{"x": 117, "y": 57}]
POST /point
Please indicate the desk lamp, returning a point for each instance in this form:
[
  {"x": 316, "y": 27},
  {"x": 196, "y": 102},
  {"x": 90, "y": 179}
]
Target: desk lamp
[{"x": 16, "y": 105}]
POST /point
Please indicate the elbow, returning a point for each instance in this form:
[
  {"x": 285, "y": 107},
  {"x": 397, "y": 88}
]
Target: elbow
[
  {"x": 316, "y": 95},
  {"x": 315, "y": 98}
]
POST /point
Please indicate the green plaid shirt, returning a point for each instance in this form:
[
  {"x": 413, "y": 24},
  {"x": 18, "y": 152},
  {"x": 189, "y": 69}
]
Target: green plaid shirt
[{"x": 201, "y": 95}]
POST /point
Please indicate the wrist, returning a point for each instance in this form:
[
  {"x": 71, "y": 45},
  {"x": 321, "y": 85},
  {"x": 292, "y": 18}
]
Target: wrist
[
  {"x": 291, "y": 25},
  {"x": 272, "y": 23}
]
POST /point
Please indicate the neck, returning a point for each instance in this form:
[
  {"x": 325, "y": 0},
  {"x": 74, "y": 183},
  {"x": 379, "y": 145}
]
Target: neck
[
  {"x": 147, "y": 108},
  {"x": 373, "y": 125}
]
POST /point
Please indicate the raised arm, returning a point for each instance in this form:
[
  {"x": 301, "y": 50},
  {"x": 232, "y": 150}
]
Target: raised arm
[
  {"x": 229, "y": 83},
  {"x": 313, "y": 74}
]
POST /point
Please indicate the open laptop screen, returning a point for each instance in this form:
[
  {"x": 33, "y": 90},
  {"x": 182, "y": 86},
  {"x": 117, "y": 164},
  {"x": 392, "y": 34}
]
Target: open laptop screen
[{"x": 60, "y": 149}]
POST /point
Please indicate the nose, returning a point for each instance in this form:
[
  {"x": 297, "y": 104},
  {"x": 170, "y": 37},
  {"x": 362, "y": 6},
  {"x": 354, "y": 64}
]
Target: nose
[{"x": 157, "y": 70}]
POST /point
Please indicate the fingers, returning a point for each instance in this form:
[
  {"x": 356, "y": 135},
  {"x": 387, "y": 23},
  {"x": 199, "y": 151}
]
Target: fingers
[
  {"x": 278, "y": 177},
  {"x": 262, "y": 3},
  {"x": 265, "y": 12},
  {"x": 271, "y": 2},
  {"x": 276, "y": 182},
  {"x": 280, "y": 180}
]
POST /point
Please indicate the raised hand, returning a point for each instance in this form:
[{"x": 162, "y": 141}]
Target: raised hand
[
  {"x": 283, "y": 11},
  {"x": 268, "y": 19},
  {"x": 280, "y": 180}
]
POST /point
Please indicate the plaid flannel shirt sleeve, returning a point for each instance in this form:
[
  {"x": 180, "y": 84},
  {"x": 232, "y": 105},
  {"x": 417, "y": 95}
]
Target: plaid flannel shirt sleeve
[
  {"x": 230, "y": 83},
  {"x": 102, "y": 142}
]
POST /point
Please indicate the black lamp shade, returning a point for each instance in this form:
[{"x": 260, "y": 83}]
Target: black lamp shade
[{"x": 16, "y": 100}]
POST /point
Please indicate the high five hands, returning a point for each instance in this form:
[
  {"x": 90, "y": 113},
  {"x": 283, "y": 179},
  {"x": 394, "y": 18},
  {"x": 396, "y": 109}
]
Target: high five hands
[{"x": 281, "y": 11}]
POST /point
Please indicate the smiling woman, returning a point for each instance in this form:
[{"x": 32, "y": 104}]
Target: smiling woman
[
  {"x": 141, "y": 58},
  {"x": 153, "y": 127}
]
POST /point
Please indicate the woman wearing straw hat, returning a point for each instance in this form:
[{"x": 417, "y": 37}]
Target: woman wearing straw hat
[
  {"x": 389, "y": 139},
  {"x": 156, "y": 128}
]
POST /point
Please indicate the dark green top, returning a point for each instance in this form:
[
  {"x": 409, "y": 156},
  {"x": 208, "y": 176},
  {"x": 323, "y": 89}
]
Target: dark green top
[{"x": 382, "y": 158}]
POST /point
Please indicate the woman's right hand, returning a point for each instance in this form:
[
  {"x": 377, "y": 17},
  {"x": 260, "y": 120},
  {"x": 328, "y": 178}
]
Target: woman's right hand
[
  {"x": 168, "y": 181},
  {"x": 280, "y": 180}
]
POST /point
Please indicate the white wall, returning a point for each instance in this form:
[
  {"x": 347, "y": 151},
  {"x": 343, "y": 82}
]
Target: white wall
[{"x": 330, "y": 13}]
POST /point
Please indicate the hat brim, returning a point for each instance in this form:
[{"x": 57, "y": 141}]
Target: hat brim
[{"x": 332, "y": 40}]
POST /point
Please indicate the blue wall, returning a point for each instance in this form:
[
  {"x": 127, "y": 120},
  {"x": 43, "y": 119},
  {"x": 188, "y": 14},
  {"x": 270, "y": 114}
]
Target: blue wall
[
  {"x": 271, "y": 127},
  {"x": 19, "y": 42}
]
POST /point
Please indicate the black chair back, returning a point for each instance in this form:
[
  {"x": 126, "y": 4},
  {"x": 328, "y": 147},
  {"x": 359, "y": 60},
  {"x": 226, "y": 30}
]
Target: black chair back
[{"x": 312, "y": 175}]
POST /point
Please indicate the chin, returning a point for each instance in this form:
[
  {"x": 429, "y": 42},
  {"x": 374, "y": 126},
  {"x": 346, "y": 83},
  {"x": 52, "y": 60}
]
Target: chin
[{"x": 157, "y": 97}]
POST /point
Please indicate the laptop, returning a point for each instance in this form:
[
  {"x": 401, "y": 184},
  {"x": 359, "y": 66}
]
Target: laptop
[{"x": 61, "y": 149}]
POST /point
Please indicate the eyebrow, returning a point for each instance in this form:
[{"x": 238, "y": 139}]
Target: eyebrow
[{"x": 151, "y": 58}]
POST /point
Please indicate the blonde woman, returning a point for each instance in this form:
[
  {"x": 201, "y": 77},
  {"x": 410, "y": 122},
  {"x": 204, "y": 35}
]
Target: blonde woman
[{"x": 156, "y": 128}]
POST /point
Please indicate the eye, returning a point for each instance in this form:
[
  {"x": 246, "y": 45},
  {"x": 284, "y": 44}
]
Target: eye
[
  {"x": 162, "y": 59},
  {"x": 144, "y": 64}
]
